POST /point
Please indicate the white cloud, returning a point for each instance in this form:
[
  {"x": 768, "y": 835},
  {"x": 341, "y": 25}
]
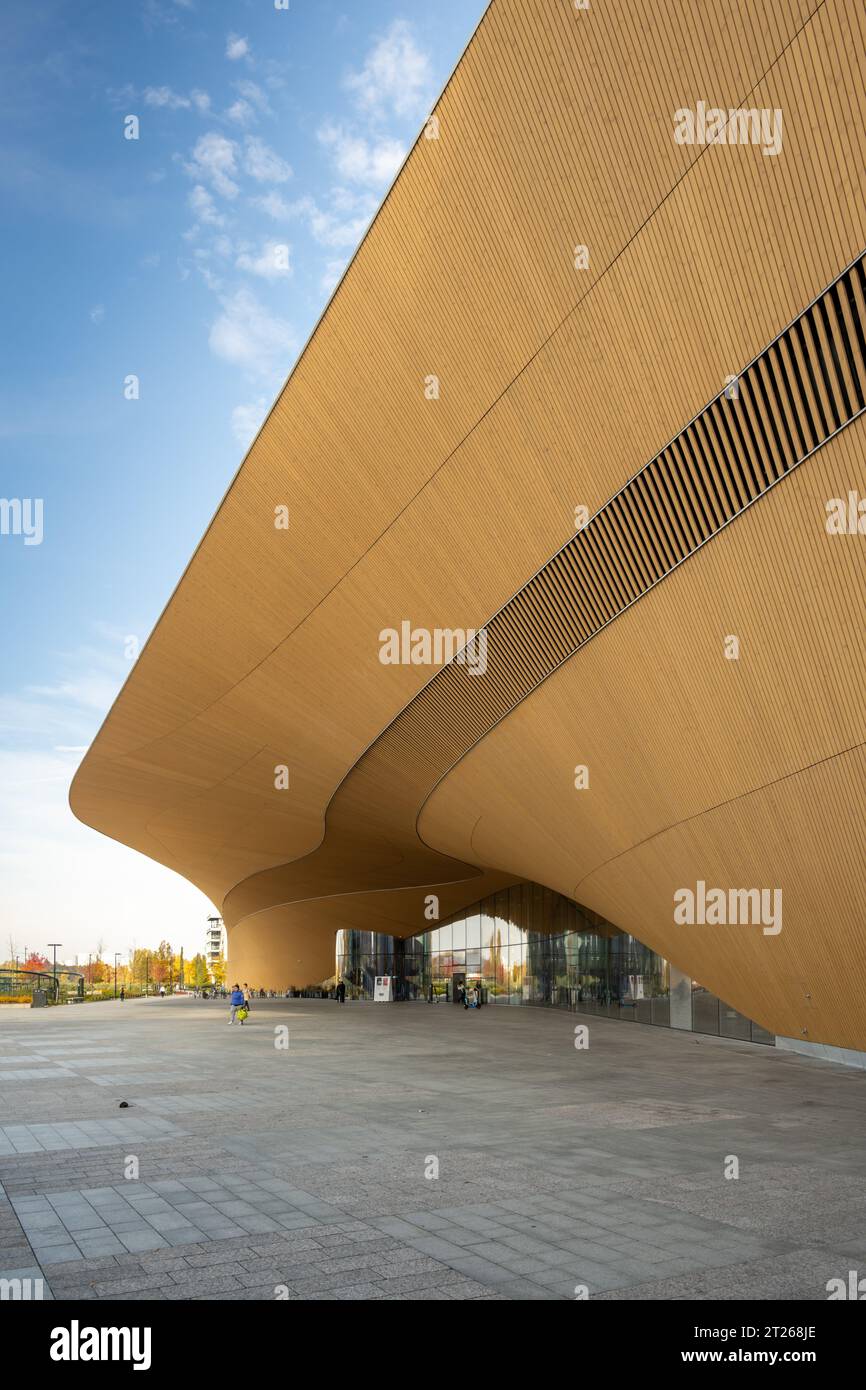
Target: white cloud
[
  {"x": 272, "y": 263},
  {"x": 247, "y": 420},
  {"x": 173, "y": 101},
  {"x": 204, "y": 207},
  {"x": 341, "y": 226},
  {"x": 252, "y": 93},
  {"x": 396, "y": 77},
  {"x": 214, "y": 161},
  {"x": 213, "y": 282},
  {"x": 121, "y": 97},
  {"x": 248, "y": 336},
  {"x": 164, "y": 96},
  {"x": 275, "y": 205},
  {"x": 331, "y": 276},
  {"x": 361, "y": 160},
  {"x": 241, "y": 113},
  {"x": 97, "y": 313},
  {"x": 91, "y": 690},
  {"x": 236, "y": 47},
  {"x": 263, "y": 164}
]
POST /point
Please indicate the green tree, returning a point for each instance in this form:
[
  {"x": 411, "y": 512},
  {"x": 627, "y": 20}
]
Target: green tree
[{"x": 196, "y": 971}]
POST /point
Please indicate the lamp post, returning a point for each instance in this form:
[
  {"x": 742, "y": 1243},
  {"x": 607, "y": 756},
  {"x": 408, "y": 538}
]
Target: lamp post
[
  {"x": 117, "y": 956},
  {"x": 54, "y": 945}
]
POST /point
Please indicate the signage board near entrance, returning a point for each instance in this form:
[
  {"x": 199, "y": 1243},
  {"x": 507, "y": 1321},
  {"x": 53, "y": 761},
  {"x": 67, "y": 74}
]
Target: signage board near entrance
[{"x": 383, "y": 989}]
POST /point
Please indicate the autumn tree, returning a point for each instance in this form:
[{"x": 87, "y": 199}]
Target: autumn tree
[{"x": 36, "y": 962}]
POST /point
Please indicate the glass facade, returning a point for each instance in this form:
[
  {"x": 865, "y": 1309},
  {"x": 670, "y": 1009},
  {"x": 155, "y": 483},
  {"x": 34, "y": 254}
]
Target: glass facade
[{"x": 529, "y": 945}]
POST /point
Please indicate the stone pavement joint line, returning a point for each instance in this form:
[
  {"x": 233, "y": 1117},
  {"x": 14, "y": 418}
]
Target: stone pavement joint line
[{"x": 402, "y": 1152}]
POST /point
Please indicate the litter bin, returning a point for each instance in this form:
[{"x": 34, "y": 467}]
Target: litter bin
[{"x": 39, "y": 999}]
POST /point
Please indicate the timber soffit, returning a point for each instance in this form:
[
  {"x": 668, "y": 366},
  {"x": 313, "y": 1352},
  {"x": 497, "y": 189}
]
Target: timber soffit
[
  {"x": 800, "y": 391},
  {"x": 691, "y": 165}
]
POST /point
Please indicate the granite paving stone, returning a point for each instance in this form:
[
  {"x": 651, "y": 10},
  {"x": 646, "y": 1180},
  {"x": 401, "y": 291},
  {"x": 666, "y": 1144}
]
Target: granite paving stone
[{"x": 308, "y": 1170}]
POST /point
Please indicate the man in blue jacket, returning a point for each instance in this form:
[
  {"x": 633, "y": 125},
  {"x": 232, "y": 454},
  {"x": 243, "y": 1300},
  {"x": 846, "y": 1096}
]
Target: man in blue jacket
[{"x": 237, "y": 1000}]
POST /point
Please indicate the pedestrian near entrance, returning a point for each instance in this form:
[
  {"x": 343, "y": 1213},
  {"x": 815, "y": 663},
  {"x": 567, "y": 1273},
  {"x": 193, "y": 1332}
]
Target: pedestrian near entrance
[
  {"x": 247, "y": 997},
  {"x": 341, "y": 992},
  {"x": 237, "y": 1002},
  {"x": 464, "y": 998},
  {"x": 122, "y": 994}
]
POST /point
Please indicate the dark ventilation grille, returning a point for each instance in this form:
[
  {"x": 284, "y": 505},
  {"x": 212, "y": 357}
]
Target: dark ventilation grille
[{"x": 804, "y": 387}]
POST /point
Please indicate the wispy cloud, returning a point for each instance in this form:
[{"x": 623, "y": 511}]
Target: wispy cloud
[
  {"x": 204, "y": 207},
  {"x": 263, "y": 164},
  {"x": 374, "y": 161},
  {"x": 396, "y": 77},
  {"x": 272, "y": 262},
  {"x": 247, "y": 420},
  {"x": 237, "y": 48},
  {"x": 342, "y": 224},
  {"x": 214, "y": 161},
  {"x": 248, "y": 335}
]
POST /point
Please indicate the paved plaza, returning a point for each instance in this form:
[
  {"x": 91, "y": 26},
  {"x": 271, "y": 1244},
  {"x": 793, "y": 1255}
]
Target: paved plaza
[{"x": 418, "y": 1152}]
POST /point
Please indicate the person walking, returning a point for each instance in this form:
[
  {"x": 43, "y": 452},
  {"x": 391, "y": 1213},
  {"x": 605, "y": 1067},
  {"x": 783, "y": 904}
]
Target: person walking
[
  {"x": 122, "y": 994},
  {"x": 341, "y": 991},
  {"x": 237, "y": 1002},
  {"x": 247, "y": 995}
]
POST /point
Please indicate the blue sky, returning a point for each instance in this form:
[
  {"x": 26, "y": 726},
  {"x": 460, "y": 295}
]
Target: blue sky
[{"x": 198, "y": 259}]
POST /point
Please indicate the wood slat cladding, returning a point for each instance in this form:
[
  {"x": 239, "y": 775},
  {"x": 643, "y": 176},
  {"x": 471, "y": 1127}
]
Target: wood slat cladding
[
  {"x": 558, "y": 384},
  {"x": 803, "y": 388},
  {"x": 744, "y": 773}
]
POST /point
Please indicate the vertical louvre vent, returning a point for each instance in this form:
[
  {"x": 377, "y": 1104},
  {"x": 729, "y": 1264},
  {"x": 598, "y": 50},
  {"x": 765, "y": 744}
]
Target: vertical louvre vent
[{"x": 809, "y": 383}]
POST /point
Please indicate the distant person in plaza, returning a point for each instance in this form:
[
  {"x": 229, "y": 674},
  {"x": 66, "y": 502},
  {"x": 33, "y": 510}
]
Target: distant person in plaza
[
  {"x": 341, "y": 992},
  {"x": 246, "y": 993},
  {"x": 237, "y": 1001},
  {"x": 122, "y": 994},
  {"x": 463, "y": 997}
]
